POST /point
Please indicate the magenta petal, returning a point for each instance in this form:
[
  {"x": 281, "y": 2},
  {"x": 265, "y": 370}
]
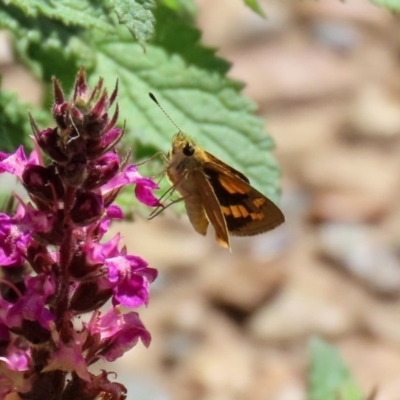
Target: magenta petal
[
  {"x": 144, "y": 195},
  {"x": 30, "y": 308},
  {"x": 143, "y": 189},
  {"x": 115, "y": 212},
  {"x": 17, "y": 360},
  {"x": 132, "y": 293},
  {"x": 119, "y": 331},
  {"x": 130, "y": 333},
  {"x": 3, "y": 156},
  {"x": 129, "y": 277},
  {"x": 14, "y": 163},
  {"x": 69, "y": 358},
  {"x": 37, "y": 220},
  {"x": 13, "y": 242}
]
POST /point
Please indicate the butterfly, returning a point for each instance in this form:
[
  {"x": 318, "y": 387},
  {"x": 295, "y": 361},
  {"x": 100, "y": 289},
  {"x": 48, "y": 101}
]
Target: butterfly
[{"x": 217, "y": 194}]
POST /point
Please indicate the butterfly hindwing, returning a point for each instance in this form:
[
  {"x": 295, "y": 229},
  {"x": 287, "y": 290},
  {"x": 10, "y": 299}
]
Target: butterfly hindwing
[{"x": 196, "y": 213}]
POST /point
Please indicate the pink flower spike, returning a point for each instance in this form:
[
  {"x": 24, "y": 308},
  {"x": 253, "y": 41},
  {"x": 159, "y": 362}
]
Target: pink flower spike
[{"x": 57, "y": 259}]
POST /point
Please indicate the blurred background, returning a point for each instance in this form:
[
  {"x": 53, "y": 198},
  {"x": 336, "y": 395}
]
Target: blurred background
[{"x": 326, "y": 77}]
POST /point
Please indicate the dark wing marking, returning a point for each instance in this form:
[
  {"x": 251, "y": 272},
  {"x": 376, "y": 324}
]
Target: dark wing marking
[{"x": 247, "y": 212}]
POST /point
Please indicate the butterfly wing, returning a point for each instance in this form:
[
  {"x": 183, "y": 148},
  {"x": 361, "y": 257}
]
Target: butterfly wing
[
  {"x": 188, "y": 188},
  {"x": 209, "y": 201},
  {"x": 246, "y": 211},
  {"x": 226, "y": 167}
]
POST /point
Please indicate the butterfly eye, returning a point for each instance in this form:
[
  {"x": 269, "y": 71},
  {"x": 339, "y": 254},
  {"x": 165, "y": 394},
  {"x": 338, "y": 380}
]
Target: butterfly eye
[{"x": 188, "y": 150}]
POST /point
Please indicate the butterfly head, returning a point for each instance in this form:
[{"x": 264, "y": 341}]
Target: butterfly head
[{"x": 183, "y": 146}]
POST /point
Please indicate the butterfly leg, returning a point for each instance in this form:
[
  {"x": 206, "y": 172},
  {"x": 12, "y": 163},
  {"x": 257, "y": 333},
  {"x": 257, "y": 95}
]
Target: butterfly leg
[
  {"x": 164, "y": 158},
  {"x": 168, "y": 194},
  {"x": 158, "y": 154},
  {"x": 160, "y": 209}
]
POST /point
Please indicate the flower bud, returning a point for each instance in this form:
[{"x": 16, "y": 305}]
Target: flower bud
[
  {"x": 61, "y": 115},
  {"x": 88, "y": 208},
  {"x": 101, "y": 171},
  {"x": 99, "y": 108},
  {"x": 80, "y": 268},
  {"x": 43, "y": 182},
  {"x": 74, "y": 173},
  {"x": 49, "y": 141},
  {"x": 39, "y": 257},
  {"x": 81, "y": 91},
  {"x": 108, "y": 140},
  {"x": 56, "y": 235},
  {"x": 32, "y": 331},
  {"x": 88, "y": 297},
  {"x": 14, "y": 275}
]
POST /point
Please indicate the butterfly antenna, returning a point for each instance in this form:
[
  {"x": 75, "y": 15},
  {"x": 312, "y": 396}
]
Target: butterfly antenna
[{"x": 151, "y": 95}]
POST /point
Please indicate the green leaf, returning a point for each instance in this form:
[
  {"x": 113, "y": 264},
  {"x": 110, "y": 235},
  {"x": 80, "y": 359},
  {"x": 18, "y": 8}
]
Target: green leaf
[
  {"x": 137, "y": 16},
  {"x": 176, "y": 34},
  {"x": 14, "y": 122},
  {"x": 330, "y": 378},
  {"x": 253, "y": 4},
  {"x": 184, "y": 7},
  {"x": 83, "y": 13},
  {"x": 206, "y": 106},
  {"x": 392, "y": 5},
  {"x": 49, "y": 36}
]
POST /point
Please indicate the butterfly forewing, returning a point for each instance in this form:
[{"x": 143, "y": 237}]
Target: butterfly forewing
[
  {"x": 247, "y": 212},
  {"x": 226, "y": 167}
]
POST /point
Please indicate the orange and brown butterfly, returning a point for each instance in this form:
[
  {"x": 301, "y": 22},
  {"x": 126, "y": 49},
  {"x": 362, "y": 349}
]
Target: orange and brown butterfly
[{"x": 217, "y": 194}]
